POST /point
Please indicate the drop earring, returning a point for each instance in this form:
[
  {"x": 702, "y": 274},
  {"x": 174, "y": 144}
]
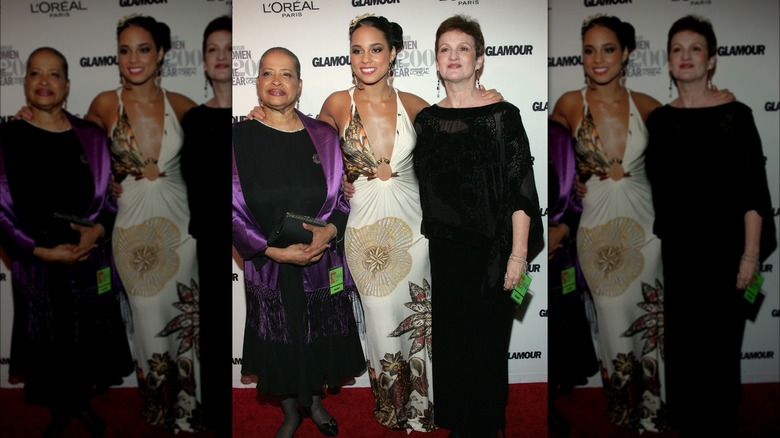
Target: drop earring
[
  {"x": 477, "y": 78},
  {"x": 205, "y": 87},
  {"x": 438, "y": 86},
  {"x": 356, "y": 82},
  {"x": 670, "y": 88},
  {"x": 390, "y": 74}
]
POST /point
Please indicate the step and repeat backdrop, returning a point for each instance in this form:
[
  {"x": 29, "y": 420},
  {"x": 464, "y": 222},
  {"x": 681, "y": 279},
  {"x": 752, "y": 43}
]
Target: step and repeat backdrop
[
  {"x": 85, "y": 32},
  {"x": 748, "y": 36},
  {"x": 515, "y": 64}
]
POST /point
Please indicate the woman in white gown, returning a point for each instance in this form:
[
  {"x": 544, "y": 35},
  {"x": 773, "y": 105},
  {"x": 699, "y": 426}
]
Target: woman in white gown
[
  {"x": 387, "y": 255},
  {"x": 619, "y": 254},
  {"x": 155, "y": 255}
]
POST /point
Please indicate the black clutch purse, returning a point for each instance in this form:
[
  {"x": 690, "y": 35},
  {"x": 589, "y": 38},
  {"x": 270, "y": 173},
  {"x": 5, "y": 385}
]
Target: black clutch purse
[{"x": 290, "y": 230}]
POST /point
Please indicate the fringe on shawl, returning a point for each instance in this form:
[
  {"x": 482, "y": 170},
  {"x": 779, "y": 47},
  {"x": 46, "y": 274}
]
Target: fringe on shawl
[{"x": 325, "y": 315}]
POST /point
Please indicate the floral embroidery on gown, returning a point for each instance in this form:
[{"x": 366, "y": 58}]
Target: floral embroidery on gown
[
  {"x": 621, "y": 260},
  {"x": 388, "y": 258},
  {"x": 155, "y": 258}
]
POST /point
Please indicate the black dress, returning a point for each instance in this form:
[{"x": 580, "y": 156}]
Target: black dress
[
  {"x": 572, "y": 355},
  {"x": 280, "y": 172},
  {"x": 68, "y": 336},
  {"x": 689, "y": 151},
  {"x": 206, "y": 168},
  {"x": 475, "y": 169}
]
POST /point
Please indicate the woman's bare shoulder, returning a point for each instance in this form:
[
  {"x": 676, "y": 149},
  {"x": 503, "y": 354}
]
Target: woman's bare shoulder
[
  {"x": 180, "y": 103},
  {"x": 412, "y": 103},
  {"x": 567, "y": 107},
  {"x": 103, "y": 108},
  {"x": 644, "y": 103}
]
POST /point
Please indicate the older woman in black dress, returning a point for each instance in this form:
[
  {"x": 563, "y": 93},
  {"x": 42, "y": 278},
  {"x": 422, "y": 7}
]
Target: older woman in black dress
[
  {"x": 68, "y": 334},
  {"x": 301, "y": 334},
  {"x": 692, "y": 139},
  {"x": 481, "y": 216}
]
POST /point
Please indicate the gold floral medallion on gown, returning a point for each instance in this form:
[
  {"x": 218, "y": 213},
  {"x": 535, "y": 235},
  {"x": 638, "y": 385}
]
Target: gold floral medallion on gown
[
  {"x": 378, "y": 255},
  {"x": 145, "y": 255},
  {"x": 611, "y": 256}
]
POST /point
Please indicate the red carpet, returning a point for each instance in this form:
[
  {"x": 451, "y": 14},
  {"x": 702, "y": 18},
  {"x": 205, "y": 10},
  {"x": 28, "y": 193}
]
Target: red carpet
[
  {"x": 352, "y": 407},
  {"x": 585, "y": 408}
]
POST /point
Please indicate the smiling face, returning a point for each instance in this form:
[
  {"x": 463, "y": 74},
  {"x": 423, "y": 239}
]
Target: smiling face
[
  {"x": 370, "y": 54},
  {"x": 278, "y": 84},
  {"x": 45, "y": 84},
  {"x": 138, "y": 55},
  {"x": 456, "y": 56},
  {"x": 688, "y": 57},
  {"x": 216, "y": 58},
  {"x": 602, "y": 57}
]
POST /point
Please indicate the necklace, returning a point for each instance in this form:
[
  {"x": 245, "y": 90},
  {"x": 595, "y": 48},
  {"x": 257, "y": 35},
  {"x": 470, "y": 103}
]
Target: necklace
[{"x": 291, "y": 129}]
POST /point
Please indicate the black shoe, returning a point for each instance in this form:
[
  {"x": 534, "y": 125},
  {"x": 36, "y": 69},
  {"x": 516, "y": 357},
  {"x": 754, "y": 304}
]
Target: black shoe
[
  {"x": 329, "y": 428},
  {"x": 92, "y": 422}
]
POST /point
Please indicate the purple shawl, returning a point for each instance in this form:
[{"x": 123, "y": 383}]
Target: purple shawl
[
  {"x": 29, "y": 272},
  {"x": 265, "y": 313}
]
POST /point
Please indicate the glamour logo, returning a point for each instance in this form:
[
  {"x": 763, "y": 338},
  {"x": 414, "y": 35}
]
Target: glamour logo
[
  {"x": 539, "y": 106},
  {"x": 564, "y": 61},
  {"x": 590, "y": 3},
  {"x": 413, "y": 62},
  {"x": 758, "y": 355},
  {"x": 512, "y": 50},
  {"x": 525, "y": 355},
  {"x": 98, "y": 61},
  {"x": 644, "y": 61},
  {"x": 8, "y": 53},
  {"x": 766, "y": 268},
  {"x": 357, "y": 3},
  {"x": 330, "y": 61},
  {"x": 755, "y": 49},
  {"x": 772, "y": 106},
  {"x": 244, "y": 69},
  {"x": 289, "y": 9},
  {"x": 181, "y": 62},
  {"x": 236, "y": 361},
  {"x": 5, "y": 360},
  {"x": 12, "y": 68},
  {"x": 127, "y": 3},
  {"x": 534, "y": 267},
  {"x": 56, "y": 9},
  {"x": 543, "y": 313}
]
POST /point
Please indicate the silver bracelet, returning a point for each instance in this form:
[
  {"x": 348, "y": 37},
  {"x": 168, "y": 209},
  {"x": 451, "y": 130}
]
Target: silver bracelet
[{"x": 518, "y": 259}]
